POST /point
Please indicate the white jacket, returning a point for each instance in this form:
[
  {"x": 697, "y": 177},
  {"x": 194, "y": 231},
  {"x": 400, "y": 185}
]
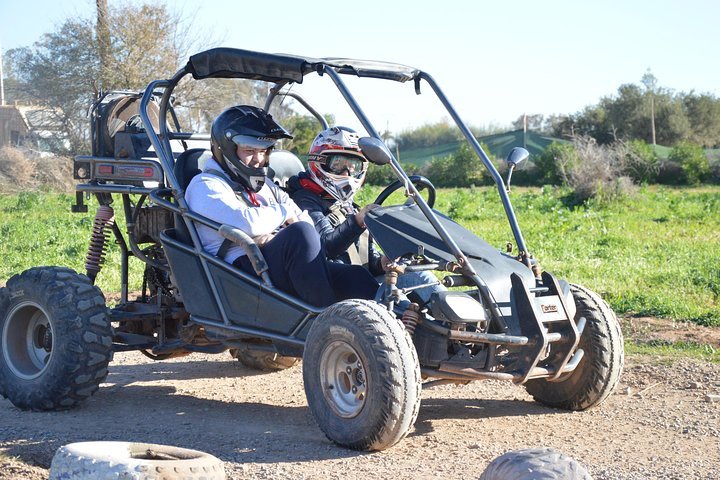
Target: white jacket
[{"x": 211, "y": 196}]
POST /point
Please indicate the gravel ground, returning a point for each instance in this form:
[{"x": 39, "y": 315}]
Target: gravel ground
[{"x": 663, "y": 422}]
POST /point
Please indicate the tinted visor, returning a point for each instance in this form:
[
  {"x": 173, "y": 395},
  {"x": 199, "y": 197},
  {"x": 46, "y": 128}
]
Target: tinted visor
[
  {"x": 255, "y": 143},
  {"x": 340, "y": 164}
]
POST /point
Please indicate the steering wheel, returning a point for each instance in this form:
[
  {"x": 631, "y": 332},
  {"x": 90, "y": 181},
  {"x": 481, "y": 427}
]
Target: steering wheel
[
  {"x": 420, "y": 183},
  {"x": 418, "y": 180}
]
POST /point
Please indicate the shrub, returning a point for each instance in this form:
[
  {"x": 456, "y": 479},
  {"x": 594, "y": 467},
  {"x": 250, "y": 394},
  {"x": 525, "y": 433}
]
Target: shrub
[
  {"x": 383, "y": 175},
  {"x": 555, "y": 162},
  {"x": 598, "y": 171},
  {"x": 27, "y": 170},
  {"x": 691, "y": 157},
  {"x": 461, "y": 169},
  {"x": 16, "y": 166},
  {"x": 640, "y": 162},
  {"x": 670, "y": 173}
]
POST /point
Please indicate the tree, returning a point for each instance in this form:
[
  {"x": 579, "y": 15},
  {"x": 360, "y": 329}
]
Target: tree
[
  {"x": 530, "y": 122},
  {"x": 60, "y": 72},
  {"x": 428, "y": 135},
  {"x": 66, "y": 70},
  {"x": 703, "y": 113}
]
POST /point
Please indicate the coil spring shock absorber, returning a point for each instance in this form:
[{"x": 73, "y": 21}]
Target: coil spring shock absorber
[
  {"x": 411, "y": 317},
  {"x": 104, "y": 220}
]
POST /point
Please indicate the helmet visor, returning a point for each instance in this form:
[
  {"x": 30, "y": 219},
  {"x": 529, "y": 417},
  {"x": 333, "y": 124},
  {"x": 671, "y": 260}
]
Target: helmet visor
[
  {"x": 253, "y": 143},
  {"x": 350, "y": 165}
]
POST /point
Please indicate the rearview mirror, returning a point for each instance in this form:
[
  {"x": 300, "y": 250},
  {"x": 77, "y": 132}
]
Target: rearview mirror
[
  {"x": 375, "y": 150},
  {"x": 517, "y": 155}
]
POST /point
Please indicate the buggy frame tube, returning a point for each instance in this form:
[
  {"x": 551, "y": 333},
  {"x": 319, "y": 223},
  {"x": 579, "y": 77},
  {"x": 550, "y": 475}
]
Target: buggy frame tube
[
  {"x": 519, "y": 240},
  {"x": 275, "y": 91},
  {"x": 422, "y": 204},
  {"x": 162, "y": 147},
  {"x": 401, "y": 175}
]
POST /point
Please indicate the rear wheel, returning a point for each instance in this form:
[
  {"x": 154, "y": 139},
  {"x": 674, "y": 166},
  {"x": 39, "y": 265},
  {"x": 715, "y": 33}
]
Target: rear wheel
[
  {"x": 262, "y": 360},
  {"x": 598, "y": 373},
  {"x": 55, "y": 339},
  {"x": 361, "y": 376}
]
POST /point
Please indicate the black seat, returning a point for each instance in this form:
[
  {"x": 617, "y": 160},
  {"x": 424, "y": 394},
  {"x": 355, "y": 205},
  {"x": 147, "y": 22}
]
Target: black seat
[{"x": 188, "y": 164}]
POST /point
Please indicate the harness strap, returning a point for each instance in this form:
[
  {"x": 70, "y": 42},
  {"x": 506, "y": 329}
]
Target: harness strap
[
  {"x": 240, "y": 192},
  {"x": 357, "y": 251}
]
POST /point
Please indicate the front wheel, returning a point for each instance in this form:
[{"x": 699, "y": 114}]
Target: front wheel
[
  {"x": 361, "y": 376},
  {"x": 598, "y": 372},
  {"x": 55, "y": 339}
]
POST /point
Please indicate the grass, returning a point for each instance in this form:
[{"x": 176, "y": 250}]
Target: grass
[
  {"x": 706, "y": 353},
  {"x": 38, "y": 228},
  {"x": 653, "y": 253}
]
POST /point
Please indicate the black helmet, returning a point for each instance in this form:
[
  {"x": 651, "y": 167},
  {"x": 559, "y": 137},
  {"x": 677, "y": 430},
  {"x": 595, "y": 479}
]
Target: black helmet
[{"x": 244, "y": 125}]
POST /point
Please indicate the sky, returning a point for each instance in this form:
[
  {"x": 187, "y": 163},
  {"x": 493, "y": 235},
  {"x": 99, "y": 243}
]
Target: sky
[{"x": 494, "y": 60}]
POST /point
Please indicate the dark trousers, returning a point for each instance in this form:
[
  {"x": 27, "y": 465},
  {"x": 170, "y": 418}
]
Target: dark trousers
[{"x": 297, "y": 265}]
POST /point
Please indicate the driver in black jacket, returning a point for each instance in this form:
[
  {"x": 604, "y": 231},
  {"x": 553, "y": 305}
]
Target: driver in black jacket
[{"x": 336, "y": 170}]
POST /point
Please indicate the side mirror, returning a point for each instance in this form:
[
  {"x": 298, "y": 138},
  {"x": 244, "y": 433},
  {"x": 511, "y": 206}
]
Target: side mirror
[
  {"x": 375, "y": 150},
  {"x": 515, "y": 157}
]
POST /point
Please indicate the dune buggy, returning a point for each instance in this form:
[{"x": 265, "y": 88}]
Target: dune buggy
[{"x": 364, "y": 362}]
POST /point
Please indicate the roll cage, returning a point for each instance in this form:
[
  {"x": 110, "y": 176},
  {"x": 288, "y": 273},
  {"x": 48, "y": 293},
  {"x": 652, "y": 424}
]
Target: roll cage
[{"x": 286, "y": 69}]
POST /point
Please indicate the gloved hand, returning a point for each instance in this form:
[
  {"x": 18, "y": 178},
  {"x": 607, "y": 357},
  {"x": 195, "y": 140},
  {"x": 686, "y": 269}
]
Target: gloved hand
[{"x": 360, "y": 215}]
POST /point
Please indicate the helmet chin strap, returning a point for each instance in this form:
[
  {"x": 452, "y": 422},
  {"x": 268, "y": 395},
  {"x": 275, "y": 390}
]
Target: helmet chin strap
[{"x": 256, "y": 183}]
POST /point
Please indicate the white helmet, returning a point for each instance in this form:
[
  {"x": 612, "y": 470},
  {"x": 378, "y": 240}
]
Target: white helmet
[{"x": 336, "y": 163}]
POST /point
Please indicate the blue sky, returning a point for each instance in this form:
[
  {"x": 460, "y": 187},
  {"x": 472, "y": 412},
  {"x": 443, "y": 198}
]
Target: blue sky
[{"x": 494, "y": 60}]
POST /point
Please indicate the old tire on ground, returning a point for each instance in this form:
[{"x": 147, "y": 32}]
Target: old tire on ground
[
  {"x": 597, "y": 374},
  {"x": 136, "y": 461},
  {"x": 262, "y": 360},
  {"x": 55, "y": 339},
  {"x": 535, "y": 464},
  {"x": 361, "y": 376}
]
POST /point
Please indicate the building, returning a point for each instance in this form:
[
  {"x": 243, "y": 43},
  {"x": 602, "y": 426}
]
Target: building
[{"x": 31, "y": 127}]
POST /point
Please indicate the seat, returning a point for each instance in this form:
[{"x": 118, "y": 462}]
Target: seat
[
  {"x": 188, "y": 164},
  {"x": 283, "y": 165}
]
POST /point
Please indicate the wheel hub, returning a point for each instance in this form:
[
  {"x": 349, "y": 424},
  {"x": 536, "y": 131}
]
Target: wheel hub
[
  {"x": 343, "y": 379},
  {"x": 27, "y": 340}
]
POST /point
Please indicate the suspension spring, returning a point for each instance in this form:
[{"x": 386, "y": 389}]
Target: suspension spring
[
  {"x": 104, "y": 220},
  {"x": 411, "y": 317}
]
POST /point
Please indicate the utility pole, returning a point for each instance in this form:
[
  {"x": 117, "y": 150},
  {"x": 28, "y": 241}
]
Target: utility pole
[
  {"x": 103, "y": 38},
  {"x": 2, "y": 81},
  {"x": 650, "y": 82}
]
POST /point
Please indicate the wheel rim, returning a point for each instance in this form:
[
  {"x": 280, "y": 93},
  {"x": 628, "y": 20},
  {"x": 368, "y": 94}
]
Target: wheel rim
[
  {"x": 27, "y": 340},
  {"x": 343, "y": 380}
]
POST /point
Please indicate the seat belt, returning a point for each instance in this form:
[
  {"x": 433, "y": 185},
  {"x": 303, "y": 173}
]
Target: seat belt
[
  {"x": 358, "y": 251},
  {"x": 238, "y": 189}
]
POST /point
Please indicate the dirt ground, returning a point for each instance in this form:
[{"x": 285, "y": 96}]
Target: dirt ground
[{"x": 663, "y": 421}]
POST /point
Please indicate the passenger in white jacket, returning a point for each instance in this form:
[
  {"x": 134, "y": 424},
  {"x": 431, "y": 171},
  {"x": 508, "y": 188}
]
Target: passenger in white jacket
[{"x": 233, "y": 189}]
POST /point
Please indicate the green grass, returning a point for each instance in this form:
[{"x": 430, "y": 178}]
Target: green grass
[
  {"x": 706, "y": 353},
  {"x": 655, "y": 253},
  {"x": 38, "y": 228}
]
